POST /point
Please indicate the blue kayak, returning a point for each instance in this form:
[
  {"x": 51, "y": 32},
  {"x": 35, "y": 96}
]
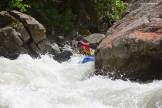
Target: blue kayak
[{"x": 88, "y": 59}]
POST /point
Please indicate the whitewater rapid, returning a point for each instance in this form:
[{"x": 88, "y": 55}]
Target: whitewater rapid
[{"x": 45, "y": 83}]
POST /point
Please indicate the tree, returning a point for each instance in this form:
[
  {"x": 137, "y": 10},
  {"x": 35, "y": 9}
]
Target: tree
[
  {"x": 13, "y": 4},
  {"x": 68, "y": 16}
]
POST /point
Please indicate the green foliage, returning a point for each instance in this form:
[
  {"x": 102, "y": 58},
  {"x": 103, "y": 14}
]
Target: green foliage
[
  {"x": 91, "y": 13},
  {"x": 13, "y": 4},
  {"x": 111, "y": 9},
  {"x": 64, "y": 16},
  {"x": 46, "y": 12}
]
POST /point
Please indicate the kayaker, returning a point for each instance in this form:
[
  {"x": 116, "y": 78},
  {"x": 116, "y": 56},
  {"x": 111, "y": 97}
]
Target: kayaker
[{"x": 84, "y": 48}]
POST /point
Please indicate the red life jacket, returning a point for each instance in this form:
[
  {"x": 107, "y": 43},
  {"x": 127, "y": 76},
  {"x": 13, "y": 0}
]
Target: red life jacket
[{"x": 86, "y": 48}]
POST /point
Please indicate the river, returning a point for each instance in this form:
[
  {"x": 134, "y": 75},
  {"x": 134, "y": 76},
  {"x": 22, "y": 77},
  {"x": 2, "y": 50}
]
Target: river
[{"x": 45, "y": 83}]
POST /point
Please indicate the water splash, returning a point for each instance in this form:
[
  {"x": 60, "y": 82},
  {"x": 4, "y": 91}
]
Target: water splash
[{"x": 45, "y": 83}]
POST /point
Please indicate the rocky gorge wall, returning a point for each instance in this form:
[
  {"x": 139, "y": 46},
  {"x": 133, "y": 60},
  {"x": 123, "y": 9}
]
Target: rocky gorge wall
[
  {"x": 132, "y": 48},
  {"x": 22, "y": 34}
]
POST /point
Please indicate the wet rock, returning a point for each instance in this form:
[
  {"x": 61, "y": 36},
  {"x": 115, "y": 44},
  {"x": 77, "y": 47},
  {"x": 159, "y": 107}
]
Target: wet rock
[
  {"x": 35, "y": 29},
  {"x": 46, "y": 46},
  {"x": 7, "y": 20},
  {"x": 20, "y": 33},
  {"x": 10, "y": 43},
  {"x": 55, "y": 48},
  {"x": 94, "y": 39},
  {"x": 131, "y": 49},
  {"x": 63, "y": 56},
  {"x": 35, "y": 50},
  {"x": 60, "y": 40}
]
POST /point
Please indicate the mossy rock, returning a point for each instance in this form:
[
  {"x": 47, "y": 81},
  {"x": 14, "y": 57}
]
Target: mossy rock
[{"x": 7, "y": 20}]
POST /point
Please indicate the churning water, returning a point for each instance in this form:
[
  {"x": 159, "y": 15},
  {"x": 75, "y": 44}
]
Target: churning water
[{"x": 45, "y": 83}]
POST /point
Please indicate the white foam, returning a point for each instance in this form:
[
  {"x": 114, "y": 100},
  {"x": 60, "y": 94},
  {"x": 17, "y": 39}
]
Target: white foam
[{"x": 45, "y": 83}]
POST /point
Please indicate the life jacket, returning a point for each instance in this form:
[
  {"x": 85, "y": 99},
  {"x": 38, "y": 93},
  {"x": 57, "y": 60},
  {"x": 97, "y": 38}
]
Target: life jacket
[{"x": 86, "y": 48}]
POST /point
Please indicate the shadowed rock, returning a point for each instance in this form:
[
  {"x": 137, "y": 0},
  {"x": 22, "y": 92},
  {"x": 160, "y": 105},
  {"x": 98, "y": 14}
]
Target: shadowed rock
[
  {"x": 131, "y": 49},
  {"x": 36, "y": 29},
  {"x": 94, "y": 39},
  {"x": 10, "y": 43},
  {"x": 20, "y": 33},
  {"x": 7, "y": 20}
]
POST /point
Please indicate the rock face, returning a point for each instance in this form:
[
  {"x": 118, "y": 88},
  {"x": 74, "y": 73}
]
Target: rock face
[
  {"x": 36, "y": 30},
  {"x": 132, "y": 47},
  {"x": 10, "y": 43},
  {"x": 94, "y": 39},
  {"x": 21, "y": 33},
  {"x": 63, "y": 56}
]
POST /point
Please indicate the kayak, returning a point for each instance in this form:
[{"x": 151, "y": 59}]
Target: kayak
[{"x": 88, "y": 59}]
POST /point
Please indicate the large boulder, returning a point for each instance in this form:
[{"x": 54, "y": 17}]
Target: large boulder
[
  {"x": 35, "y": 29},
  {"x": 10, "y": 43},
  {"x": 21, "y": 33},
  {"x": 132, "y": 47},
  {"x": 94, "y": 39},
  {"x": 7, "y": 20}
]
